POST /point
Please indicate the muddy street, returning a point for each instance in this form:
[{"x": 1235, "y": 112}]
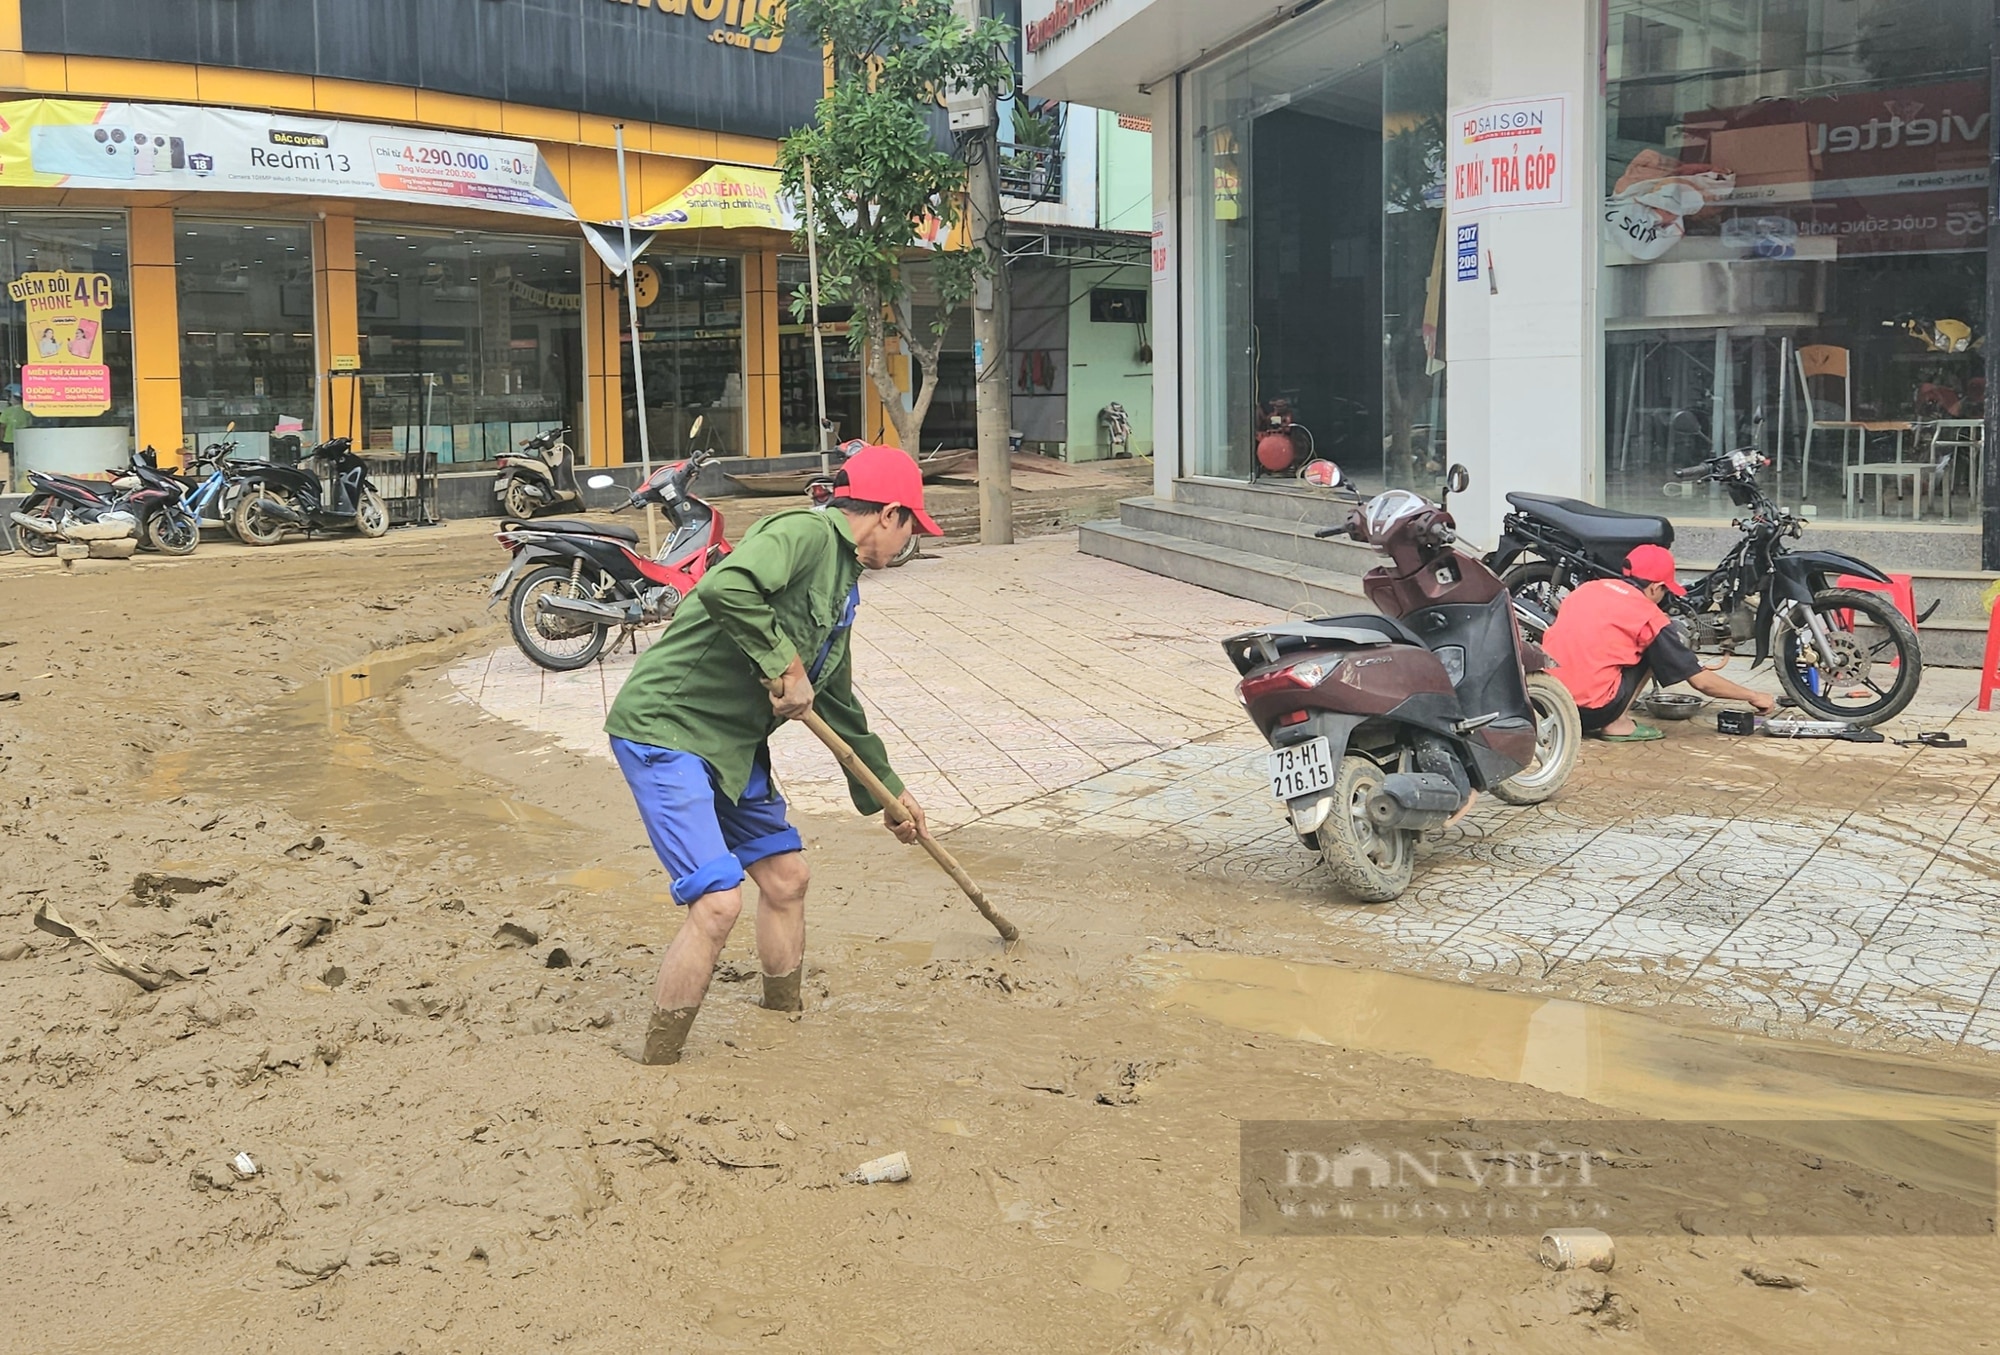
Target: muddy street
[{"x": 409, "y": 940}]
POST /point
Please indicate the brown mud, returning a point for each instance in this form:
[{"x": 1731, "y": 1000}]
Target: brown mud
[{"x": 416, "y": 938}]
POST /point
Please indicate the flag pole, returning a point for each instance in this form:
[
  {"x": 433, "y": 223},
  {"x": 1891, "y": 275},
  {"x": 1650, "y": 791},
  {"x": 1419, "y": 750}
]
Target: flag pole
[{"x": 812, "y": 278}]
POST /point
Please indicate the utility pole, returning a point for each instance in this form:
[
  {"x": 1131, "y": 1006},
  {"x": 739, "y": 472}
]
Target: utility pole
[
  {"x": 974, "y": 117},
  {"x": 632, "y": 314}
]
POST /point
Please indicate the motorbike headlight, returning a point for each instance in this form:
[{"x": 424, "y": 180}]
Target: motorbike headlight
[{"x": 1453, "y": 659}]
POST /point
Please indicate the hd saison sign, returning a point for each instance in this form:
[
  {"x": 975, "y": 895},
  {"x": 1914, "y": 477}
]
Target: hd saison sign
[{"x": 684, "y": 63}]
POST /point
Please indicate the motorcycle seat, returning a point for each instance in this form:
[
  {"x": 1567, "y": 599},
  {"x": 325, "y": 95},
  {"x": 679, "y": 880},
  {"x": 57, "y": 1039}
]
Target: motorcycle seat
[
  {"x": 1599, "y": 526},
  {"x": 571, "y": 526}
]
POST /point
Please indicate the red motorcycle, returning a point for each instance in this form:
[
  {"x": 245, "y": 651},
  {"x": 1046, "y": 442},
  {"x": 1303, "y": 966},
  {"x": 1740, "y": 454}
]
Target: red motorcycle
[
  {"x": 583, "y": 578},
  {"x": 1385, "y": 726}
]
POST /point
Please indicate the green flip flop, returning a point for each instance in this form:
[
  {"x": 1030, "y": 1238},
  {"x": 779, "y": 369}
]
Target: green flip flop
[{"x": 1640, "y": 734}]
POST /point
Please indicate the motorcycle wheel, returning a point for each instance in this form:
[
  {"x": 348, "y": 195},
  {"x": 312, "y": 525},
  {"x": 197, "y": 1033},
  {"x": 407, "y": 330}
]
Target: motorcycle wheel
[
  {"x": 1558, "y": 737},
  {"x": 1367, "y": 865},
  {"x": 518, "y": 500},
  {"x": 371, "y": 519},
  {"x": 554, "y": 642},
  {"x": 1874, "y": 670},
  {"x": 1541, "y": 583},
  {"x": 173, "y": 532},
  {"x": 906, "y": 554},
  {"x": 34, "y": 543},
  {"x": 253, "y": 528}
]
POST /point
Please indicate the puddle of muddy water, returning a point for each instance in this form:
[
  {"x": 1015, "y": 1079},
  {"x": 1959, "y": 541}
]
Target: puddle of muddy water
[
  {"x": 1851, "y": 1104},
  {"x": 333, "y": 752}
]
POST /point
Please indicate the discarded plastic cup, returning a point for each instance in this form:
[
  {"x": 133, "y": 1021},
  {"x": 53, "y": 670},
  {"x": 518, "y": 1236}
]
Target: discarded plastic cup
[
  {"x": 243, "y": 1165},
  {"x": 894, "y": 1167}
]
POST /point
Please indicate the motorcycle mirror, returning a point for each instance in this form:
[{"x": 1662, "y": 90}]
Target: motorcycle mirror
[
  {"x": 695, "y": 431},
  {"x": 1457, "y": 478},
  {"x": 230, "y": 429},
  {"x": 600, "y": 482}
]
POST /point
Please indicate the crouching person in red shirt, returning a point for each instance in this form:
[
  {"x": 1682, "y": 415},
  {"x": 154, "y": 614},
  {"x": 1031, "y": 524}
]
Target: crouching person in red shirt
[{"x": 1611, "y": 635}]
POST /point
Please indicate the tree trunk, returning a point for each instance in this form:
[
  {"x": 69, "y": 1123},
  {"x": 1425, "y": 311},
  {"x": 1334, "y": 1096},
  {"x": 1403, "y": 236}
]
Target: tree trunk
[{"x": 909, "y": 423}]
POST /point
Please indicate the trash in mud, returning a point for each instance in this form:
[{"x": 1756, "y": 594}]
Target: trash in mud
[
  {"x": 49, "y": 920},
  {"x": 894, "y": 1167},
  {"x": 13, "y": 950},
  {"x": 785, "y": 1131},
  {"x": 1765, "y": 1278},
  {"x": 558, "y": 959},
  {"x": 513, "y": 936},
  {"x": 1575, "y": 1249},
  {"x": 243, "y": 1165}
]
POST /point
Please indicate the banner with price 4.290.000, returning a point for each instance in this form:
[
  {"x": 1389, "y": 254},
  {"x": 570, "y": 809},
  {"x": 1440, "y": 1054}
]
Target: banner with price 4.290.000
[{"x": 71, "y": 143}]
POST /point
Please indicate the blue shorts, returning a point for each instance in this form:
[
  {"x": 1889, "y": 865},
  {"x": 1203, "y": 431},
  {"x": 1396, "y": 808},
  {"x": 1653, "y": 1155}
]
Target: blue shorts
[{"x": 703, "y": 838}]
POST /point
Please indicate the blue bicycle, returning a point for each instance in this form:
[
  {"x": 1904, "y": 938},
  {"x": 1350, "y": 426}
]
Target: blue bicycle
[{"x": 208, "y": 497}]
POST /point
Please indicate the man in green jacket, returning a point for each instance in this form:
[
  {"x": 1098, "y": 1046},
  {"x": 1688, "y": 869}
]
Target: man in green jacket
[{"x": 761, "y": 640}]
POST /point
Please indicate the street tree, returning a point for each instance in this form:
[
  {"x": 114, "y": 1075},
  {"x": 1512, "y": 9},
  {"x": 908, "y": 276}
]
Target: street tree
[{"x": 887, "y": 185}]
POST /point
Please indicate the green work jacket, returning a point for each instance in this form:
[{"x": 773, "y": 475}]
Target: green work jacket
[{"x": 781, "y": 594}]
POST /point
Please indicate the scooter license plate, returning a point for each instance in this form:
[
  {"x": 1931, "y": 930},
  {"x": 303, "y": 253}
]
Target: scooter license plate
[{"x": 1301, "y": 769}]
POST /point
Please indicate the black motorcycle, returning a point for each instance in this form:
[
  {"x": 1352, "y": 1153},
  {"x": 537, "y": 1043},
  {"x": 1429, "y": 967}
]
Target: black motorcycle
[
  {"x": 152, "y": 500},
  {"x": 1842, "y": 653},
  {"x": 275, "y": 499}
]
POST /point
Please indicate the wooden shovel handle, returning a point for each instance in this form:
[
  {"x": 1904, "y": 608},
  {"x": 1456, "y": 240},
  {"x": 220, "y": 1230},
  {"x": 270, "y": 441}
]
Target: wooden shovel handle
[{"x": 892, "y": 809}]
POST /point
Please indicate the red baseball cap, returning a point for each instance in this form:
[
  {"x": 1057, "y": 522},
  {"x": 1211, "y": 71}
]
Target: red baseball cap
[
  {"x": 1653, "y": 564},
  {"x": 887, "y": 475}
]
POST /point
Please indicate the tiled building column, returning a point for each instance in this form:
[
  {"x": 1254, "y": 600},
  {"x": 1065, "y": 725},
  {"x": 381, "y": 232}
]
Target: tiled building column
[
  {"x": 763, "y": 433},
  {"x": 337, "y": 322},
  {"x": 603, "y": 430},
  {"x": 156, "y": 333}
]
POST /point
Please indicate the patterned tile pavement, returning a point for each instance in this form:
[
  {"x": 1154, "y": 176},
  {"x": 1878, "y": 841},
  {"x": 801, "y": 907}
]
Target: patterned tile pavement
[{"x": 1853, "y": 887}]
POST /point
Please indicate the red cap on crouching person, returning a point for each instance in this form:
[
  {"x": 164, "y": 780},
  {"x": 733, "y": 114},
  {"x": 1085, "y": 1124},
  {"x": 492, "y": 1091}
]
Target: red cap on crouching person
[
  {"x": 886, "y": 475},
  {"x": 1653, "y": 564}
]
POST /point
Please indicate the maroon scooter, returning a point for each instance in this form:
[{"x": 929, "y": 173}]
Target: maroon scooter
[{"x": 1385, "y": 726}]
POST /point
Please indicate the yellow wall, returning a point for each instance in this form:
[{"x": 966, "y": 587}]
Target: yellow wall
[{"x": 578, "y": 149}]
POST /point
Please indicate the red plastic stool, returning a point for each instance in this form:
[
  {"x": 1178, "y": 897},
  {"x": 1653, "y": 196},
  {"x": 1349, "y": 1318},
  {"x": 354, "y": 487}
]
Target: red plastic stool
[
  {"x": 1900, "y": 588},
  {"x": 1902, "y": 593},
  {"x": 1988, "y": 679}
]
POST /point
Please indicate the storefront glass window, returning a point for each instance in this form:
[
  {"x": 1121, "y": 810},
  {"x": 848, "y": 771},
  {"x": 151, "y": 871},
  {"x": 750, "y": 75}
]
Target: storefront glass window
[
  {"x": 1795, "y": 227},
  {"x": 799, "y": 408},
  {"x": 1318, "y": 165},
  {"x": 496, "y": 319},
  {"x": 691, "y": 332},
  {"x": 68, "y": 242},
  {"x": 246, "y": 314}
]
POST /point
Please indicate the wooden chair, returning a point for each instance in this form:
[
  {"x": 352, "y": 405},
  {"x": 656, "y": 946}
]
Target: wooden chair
[{"x": 1826, "y": 362}]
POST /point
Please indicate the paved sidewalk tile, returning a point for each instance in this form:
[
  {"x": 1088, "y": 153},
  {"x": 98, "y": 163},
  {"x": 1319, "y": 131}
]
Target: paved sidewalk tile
[{"x": 1852, "y": 887}]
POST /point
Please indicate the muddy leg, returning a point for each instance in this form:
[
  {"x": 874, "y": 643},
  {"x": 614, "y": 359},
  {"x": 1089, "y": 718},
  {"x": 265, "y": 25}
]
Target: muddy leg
[
  {"x": 781, "y": 927},
  {"x": 685, "y": 972}
]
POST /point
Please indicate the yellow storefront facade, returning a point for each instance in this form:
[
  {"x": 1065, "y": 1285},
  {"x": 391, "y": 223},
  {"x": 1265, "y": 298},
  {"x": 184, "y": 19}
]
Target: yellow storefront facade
[{"x": 395, "y": 259}]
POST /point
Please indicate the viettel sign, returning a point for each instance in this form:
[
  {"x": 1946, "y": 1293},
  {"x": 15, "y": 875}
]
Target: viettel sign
[{"x": 1059, "y": 21}]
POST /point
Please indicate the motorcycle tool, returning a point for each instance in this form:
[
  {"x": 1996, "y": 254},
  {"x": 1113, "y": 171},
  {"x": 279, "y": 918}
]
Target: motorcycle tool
[{"x": 1934, "y": 738}]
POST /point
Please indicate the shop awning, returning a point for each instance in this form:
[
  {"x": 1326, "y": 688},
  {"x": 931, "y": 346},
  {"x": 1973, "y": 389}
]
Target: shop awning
[{"x": 724, "y": 197}]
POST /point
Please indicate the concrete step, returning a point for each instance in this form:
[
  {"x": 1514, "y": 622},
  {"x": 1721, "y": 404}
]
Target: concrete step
[
  {"x": 1286, "y": 500},
  {"x": 1899, "y": 546},
  {"x": 1258, "y": 533},
  {"x": 1296, "y": 588}
]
